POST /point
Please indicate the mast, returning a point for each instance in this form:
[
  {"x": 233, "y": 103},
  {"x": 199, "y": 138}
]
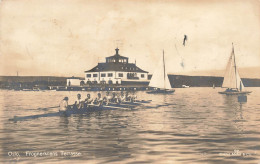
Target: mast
[
  {"x": 235, "y": 65},
  {"x": 164, "y": 69}
]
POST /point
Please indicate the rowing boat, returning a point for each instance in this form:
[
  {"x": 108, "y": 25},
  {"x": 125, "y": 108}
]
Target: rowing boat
[
  {"x": 90, "y": 108},
  {"x": 126, "y": 105},
  {"x": 95, "y": 108}
]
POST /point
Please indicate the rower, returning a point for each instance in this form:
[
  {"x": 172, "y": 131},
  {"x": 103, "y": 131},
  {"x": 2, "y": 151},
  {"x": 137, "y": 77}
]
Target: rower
[
  {"x": 122, "y": 97},
  {"x": 78, "y": 103},
  {"x": 114, "y": 98},
  {"x": 133, "y": 97},
  {"x": 99, "y": 100},
  {"x": 88, "y": 100},
  {"x": 107, "y": 98},
  {"x": 117, "y": 98},
  {"x": 64, "y": 104},
  {"x": 127, "y": 96}
]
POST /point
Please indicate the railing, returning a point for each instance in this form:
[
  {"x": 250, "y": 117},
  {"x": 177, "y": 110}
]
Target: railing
[{"x": 133, "y": 77}]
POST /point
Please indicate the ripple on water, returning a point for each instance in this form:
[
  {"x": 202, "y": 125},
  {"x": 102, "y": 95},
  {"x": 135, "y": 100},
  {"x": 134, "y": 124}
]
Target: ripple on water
[{"x": 194, "y": 125}]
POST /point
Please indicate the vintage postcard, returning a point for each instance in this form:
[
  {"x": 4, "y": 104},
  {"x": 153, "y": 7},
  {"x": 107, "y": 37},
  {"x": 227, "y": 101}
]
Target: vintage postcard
[{"x": 130, "y": 81}]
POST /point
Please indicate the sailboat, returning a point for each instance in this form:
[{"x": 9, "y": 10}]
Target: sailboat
[
  {"x": 232, "y": 80},
  {"x": 160, "y": 80}
]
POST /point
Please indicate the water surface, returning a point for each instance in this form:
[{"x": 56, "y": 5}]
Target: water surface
[{"x": 193, "y": 125}]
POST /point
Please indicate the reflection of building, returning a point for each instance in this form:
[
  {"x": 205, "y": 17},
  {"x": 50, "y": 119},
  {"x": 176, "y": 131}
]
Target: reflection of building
[{"x": 116, "y": 70}]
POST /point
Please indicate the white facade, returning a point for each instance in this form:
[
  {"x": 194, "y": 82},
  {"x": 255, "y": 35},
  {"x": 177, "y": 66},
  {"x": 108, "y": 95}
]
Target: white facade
[{"x": 115, "y": 77}]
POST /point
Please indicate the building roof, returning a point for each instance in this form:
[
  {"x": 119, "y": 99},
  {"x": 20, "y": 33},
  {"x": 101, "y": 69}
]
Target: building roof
[
  {"x": 122, "y": 67},
  {"x": 116, "y": 56},
  {"x": 116, "y": 63}
]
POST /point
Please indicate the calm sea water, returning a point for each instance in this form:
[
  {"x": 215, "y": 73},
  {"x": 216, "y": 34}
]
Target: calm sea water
[{"x": 194, "y": 125}]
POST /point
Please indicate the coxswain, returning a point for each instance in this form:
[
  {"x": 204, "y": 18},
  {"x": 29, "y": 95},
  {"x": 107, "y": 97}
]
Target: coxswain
[{"x": 64, "y": 104}]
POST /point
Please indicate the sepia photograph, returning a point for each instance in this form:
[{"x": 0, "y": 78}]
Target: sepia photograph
[{"x": 130, "y": 81}]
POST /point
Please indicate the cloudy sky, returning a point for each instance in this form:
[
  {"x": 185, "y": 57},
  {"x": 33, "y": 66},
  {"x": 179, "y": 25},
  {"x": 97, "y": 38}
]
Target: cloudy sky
[{"x": 65, "y": 38}]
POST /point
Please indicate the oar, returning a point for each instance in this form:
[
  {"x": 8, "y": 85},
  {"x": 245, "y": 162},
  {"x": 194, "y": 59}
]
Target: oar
[
  {"x": 144, "y": 101},
  {"x": 48, "y": 108},
  {"x": 110, "y": 107},
  {"x": 21, "y": 118}
]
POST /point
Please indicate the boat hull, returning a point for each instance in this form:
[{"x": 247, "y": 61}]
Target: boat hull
[
  {"x": 95, "y": 108},
  {"x": 234, "y": 93}
]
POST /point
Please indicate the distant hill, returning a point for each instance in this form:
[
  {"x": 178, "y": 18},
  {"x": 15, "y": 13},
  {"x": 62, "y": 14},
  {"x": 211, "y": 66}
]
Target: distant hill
[
  {"x": 205, "y": 81},
  {"x": 12, "y": 82},
  {"x": 248, "y": 72},
  {"x": 175, "y": 80}
]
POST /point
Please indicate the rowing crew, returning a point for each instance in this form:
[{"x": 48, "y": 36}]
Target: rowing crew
[{"x": 99, "y": 100}]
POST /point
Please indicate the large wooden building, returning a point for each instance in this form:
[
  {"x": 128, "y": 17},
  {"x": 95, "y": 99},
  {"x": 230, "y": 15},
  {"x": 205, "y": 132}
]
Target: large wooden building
[{"x": 116, "y": 70}]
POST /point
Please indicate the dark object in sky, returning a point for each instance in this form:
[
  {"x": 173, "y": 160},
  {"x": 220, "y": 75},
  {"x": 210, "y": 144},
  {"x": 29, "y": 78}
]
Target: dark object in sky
[{"x": 185, "y": 39}]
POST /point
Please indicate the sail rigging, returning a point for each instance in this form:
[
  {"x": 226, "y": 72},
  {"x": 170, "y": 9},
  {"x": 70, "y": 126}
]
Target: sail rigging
[
  {"x": 232, "y": 78},
  {"x": 160, "y": 77}
]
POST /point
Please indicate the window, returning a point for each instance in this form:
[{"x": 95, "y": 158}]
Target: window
[
  {"x": 95, "y": 75},
  {"x": 142, "y": 75},
  {"x": 120, "y": 74},
  {"x": 88, "y": 75},
  {"x": 110, "y": 74},
  {"x": 103, "y": 75}
]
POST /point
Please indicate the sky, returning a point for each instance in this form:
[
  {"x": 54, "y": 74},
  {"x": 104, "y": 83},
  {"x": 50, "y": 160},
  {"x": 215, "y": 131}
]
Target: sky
[{"x": 66, "y": 38}]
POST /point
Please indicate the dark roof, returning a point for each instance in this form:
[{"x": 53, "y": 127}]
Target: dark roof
[
  {"x": 116, "y": 56},
  {"x": 124, "y": 67}
]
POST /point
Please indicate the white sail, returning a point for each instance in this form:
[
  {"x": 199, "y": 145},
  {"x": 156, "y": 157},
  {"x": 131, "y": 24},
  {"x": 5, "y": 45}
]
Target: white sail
[
  {"x": 160, "y": 78},
  {"x": 232, "y": 78}
]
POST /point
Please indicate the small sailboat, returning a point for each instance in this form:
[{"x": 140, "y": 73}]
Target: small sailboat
[
  {"x": 160, "y": 80},
  {"x": 232, "y": 80}
]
